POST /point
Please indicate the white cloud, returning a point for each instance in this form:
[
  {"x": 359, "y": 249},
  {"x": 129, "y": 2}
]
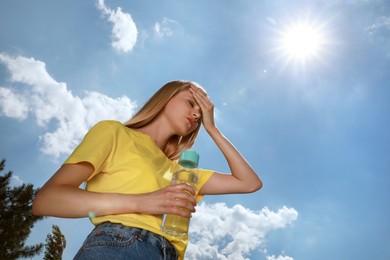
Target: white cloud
[
  {"x": 379, "y": 32},
  {"x": 220, "y": 232},
  {"x": 163, "y": 29},
  {"x": 279, "y": 257},
  {"x": 381, "y": 26},
  {"x": 124, "y": 30},
  {"x": 16, "y": 180},
  {"x": 12, "y": 105},
  {"x": 50, "y": 100}
]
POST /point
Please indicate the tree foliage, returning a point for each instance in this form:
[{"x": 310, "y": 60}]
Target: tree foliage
[
  {"x": 55, "y": 244},
  {"x": 16, "y": 218}
]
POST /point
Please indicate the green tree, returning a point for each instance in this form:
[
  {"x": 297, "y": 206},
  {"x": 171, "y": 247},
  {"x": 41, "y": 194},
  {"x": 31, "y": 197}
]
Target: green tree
[
  {"x": 16, "y": 218},
  {"x": 55, "y": 244}
]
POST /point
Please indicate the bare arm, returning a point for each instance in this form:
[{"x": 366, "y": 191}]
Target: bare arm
[
  {"x": 243, "y": 179},
  {"x": 62, "y": 197}
]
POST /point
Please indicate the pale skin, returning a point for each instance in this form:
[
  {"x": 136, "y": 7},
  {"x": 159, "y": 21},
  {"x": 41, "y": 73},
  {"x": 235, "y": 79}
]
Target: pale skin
[{"x": 63, "y": 188}]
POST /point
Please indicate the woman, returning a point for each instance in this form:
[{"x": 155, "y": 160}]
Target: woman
[{"x": 127, "y": 166}]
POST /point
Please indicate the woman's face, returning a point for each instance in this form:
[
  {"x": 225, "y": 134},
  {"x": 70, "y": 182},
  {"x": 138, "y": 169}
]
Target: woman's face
[{"x": 182, "y": 113}]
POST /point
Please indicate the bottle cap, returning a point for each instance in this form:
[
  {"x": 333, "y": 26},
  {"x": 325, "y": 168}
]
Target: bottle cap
[{"x": 189, "y": 159}]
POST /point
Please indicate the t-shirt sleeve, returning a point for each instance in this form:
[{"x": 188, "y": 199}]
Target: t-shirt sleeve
[
  {"x": 203, "y": 177},
  {"x": 95, "y": 147}
]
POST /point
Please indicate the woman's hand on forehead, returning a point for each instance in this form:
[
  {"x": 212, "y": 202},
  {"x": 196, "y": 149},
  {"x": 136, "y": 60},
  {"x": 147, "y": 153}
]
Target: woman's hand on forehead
[{"x": 206, "y": 106}]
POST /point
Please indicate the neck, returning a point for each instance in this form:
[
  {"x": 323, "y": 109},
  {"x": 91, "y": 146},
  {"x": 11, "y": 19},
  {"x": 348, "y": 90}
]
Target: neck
[{"x": 158, "y": 133}]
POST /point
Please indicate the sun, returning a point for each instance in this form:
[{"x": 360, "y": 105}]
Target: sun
[{"x": 302, "y": 41}]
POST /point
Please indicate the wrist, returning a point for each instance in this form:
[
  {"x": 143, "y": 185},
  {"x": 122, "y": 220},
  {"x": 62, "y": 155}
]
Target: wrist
[
  {"x": 122, "y": 203},
  {"x": 213, "y": 131}
]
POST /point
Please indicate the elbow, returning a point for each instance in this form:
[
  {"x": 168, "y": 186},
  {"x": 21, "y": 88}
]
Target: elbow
[
  {"x": 255, "y": 186},
  {"x": 36, "y": 212},
  {"x": 37, "y": 207},
  {"x": 259, "y": 186}
]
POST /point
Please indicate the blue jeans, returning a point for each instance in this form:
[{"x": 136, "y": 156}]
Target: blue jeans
[{"x": 115, "y": 241}]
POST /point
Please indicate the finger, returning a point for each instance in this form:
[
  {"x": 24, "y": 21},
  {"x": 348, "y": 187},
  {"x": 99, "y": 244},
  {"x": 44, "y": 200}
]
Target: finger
[
  {"x": 187, "y": 197},
  {"x": 203, "y": 102},
  {"x": 200, "y": 95},
  {"x": 180, "y": 212},
  {"x": 197, "y": 89},
  {"x": 203, "y": 98},
  {"x": 184, "y": 204},
  {"x": 182, "y": 196},
  {"x": 180, "y": 206},
  {"x": 184, "y": 187},
  {"x": 176, "y": 210}
]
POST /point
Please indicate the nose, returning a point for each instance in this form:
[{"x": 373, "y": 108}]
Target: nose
[{"x": 196, "y": 116}]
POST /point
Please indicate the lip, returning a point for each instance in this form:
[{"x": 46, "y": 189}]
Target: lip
[{"x": 191, "y": 121}]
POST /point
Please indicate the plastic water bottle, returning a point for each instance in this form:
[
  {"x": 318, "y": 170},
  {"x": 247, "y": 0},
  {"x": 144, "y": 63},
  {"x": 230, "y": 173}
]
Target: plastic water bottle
[{"x": 186, "y": 172}]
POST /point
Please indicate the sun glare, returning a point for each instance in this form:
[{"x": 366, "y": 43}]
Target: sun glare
[{"x": 302, "y": 42}]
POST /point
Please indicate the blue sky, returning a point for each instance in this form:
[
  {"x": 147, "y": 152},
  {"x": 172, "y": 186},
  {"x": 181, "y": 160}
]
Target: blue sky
[{"x": 314, "y": 128}]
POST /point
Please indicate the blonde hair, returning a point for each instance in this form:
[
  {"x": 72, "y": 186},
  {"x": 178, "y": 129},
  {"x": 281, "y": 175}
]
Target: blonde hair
[{"x": 151, "y": 109}]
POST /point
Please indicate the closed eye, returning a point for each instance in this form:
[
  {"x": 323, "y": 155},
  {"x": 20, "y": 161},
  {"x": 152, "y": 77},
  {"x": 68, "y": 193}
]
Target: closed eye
[{"x": 192, "y": 103}]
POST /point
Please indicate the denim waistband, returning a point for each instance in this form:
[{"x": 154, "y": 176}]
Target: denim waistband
[
  {"x": 116, "y": 241},
  {"x": 139, "y": 233}
]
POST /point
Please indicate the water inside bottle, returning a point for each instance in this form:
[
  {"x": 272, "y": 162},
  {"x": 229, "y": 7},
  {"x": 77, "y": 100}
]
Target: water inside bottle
[{"x": 173, "y": 224}]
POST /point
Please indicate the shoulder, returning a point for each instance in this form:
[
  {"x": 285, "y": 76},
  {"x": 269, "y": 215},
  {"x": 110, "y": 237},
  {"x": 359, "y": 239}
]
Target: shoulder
[
  {"x": 110, "y": 124},
  {"x": 105, "y": 127},
  {"x": 113, "y": 123},
  {"x": 118, "y": 129}
]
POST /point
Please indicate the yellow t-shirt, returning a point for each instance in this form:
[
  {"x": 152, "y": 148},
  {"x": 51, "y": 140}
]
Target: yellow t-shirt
[{"x": 129, "y": 162}]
